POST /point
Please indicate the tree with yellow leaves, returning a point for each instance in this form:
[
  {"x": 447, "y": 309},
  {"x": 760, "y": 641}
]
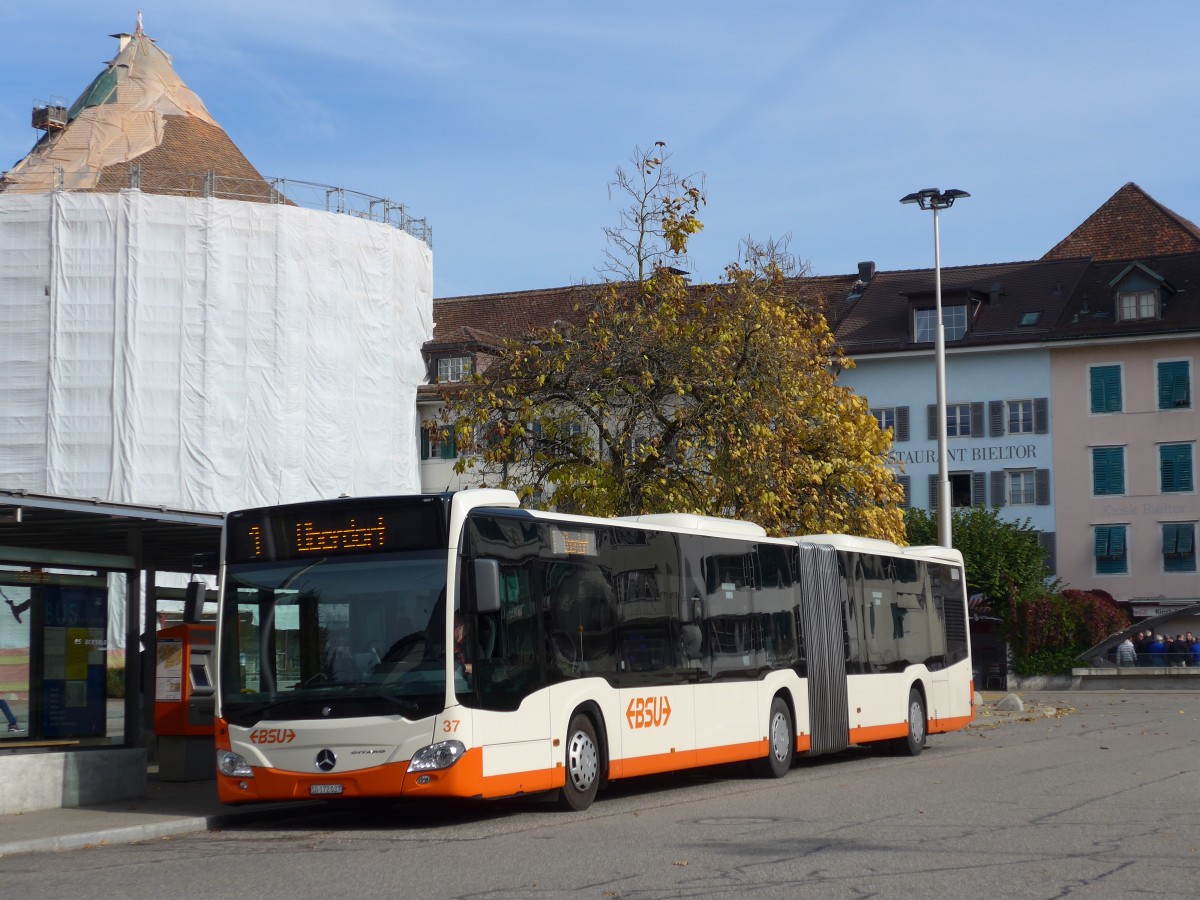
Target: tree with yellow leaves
[{"x": 662, "y": 396}]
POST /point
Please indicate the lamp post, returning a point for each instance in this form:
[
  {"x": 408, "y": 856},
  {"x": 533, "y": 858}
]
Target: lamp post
[{"x": 932, "y": 198}]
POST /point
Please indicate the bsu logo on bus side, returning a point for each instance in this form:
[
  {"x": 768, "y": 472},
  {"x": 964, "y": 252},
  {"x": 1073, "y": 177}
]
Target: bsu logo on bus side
[{"x": 648, "y": 712}]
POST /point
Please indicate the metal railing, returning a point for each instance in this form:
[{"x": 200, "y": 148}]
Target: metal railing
[{"x": 304, "y": 194}]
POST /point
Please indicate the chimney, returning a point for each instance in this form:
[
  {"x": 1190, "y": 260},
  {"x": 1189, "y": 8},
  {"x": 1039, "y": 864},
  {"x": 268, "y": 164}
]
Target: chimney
[{"x": 866, "y": 271}]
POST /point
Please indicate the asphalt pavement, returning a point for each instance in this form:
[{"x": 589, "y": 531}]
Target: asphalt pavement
[{"x": 172, "y": 808}]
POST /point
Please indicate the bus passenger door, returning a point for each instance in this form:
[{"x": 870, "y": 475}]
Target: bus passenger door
[{"x": 512, "y": 723}]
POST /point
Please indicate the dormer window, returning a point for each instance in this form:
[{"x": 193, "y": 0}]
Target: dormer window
[
  {"x": 1137, "y": 305},
  {"x": 954, "y": 319},
  {"x": 453, "y": 368}
]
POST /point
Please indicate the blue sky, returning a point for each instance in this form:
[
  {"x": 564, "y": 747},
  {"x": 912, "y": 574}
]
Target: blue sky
[{"x": 503, "y": 122}]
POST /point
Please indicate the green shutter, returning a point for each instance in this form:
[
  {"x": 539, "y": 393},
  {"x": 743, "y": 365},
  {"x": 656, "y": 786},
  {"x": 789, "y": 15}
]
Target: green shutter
[
  {"x": 1174, "y": 385},
  {"x": 1179, "y": 547},
  {"x": 1108, "y": 470},
  {"x": 1106, "y": 389},
  {"x": 1175, "y": 468},
  {"x": 1110, "y": 550}
]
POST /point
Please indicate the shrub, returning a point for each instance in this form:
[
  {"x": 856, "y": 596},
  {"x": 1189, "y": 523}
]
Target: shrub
[{"x": 115, "y": 683}]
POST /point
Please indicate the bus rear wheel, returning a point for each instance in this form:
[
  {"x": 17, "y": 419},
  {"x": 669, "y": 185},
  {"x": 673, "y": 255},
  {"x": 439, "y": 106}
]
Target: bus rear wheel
[
  {"x": 582, "y": 765},
  {"x": 781, "y": 741},
  {"x": 914, "y": 742}
]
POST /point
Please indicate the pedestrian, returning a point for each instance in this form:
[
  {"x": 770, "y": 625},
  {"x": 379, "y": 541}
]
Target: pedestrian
[
  {"x": 1142, "y": 645},
  {"x": 1196, "y": 653},
  {"x": 1158, "y": 652},
  {"x": 8, "y": 714},
  {"x": 1126, "y": 655}
]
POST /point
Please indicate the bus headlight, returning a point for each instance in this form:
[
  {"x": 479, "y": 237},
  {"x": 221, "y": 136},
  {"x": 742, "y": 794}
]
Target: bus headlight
[
  {"x": 233, "y": 764},
  {"x": 441, "y": 755}
]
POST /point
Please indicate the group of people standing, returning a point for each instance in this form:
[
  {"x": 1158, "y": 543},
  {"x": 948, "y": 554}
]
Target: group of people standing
[{"x": 1150, "y": 649}]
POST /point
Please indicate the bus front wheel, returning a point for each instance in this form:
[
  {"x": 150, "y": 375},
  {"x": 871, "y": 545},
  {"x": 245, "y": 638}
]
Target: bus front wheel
[
  {"x": 781, "y": 741},
  {"x": 583, "y": 765},
  {"x": 914, "y": 742}
]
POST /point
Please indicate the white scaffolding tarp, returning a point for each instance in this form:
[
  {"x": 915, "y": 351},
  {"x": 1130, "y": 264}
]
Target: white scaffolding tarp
[{"x": 207, "y": 354}]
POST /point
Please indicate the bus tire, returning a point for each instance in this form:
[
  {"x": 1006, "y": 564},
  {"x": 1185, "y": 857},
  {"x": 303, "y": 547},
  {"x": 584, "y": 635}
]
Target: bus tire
[
  {"x": 781, "y": 741},
  {"x": 582, "y": 765},
  {"x": 914, "y": 743}
]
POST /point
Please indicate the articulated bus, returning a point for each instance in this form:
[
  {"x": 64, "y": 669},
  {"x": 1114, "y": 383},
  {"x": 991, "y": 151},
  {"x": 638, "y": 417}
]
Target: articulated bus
[{"x": 456, "y": 645}]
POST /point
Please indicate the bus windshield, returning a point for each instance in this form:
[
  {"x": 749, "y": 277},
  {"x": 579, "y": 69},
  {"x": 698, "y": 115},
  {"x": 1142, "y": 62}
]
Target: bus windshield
[{"x": 334, "y": 637}]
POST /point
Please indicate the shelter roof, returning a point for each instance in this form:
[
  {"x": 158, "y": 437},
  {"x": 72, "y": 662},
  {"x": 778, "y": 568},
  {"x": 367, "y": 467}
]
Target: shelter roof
[{"x": 106, "y": 535}]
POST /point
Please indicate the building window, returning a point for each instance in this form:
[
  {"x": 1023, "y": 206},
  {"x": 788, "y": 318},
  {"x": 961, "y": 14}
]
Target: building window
[
  {"x": 1175, "y": 468},
  {"x": 437, "y": 441},
  {"x": 1022, "y": 488},
  {"x": 954, "y": 320},
  {"x": 1111, "y": 555},
  {"x": 454, "y": 368},
  {"x": 895, "y": 418},
  {"x": 1179, "y": 547},
  {"x": 1105, "y": 388},
  {"x": 958, "y": 420},
  {"x": 1137, "y": 305},
  {"x": 1020, "y": 417},
  {"x": 1108, "y": 471},
  {"x": 1174, "y": 385}
]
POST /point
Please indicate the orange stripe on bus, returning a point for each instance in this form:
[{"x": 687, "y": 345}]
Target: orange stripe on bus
[
  {"x": 870, "y": 733},
  {"x": 943, "y": 725}
]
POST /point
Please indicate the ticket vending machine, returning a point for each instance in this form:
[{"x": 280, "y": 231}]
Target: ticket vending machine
[{"x": 184, "y": 696}]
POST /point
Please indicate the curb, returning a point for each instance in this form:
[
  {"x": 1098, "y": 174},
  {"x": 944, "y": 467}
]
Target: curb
[{"x": 133, "y": 834}]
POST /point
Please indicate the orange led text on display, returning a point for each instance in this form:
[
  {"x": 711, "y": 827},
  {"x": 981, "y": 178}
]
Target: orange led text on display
[{"x": 354, "y": 536}]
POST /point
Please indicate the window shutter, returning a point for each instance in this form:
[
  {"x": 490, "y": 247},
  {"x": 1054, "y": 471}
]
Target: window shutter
[
  {"x": 1174, "y": 387},
  {"x": 901, "y": 433},
  {"x": 931, "y": 412},
  {"x": 999, "y": 485},
  {"x": 424, "y": 442},
  {"x": 933, "y": 492},
  {"x": 1175, "y": 468},
  {"x": 905, "y": 482},
  {"x": 1041, "y": 487},
  {"x": 979, "y": 487},
  {"x": 996, "y": 418},
  {"x": 447, "y": 446},
  {"x": 1048, "y": 541},
  {"x": 1041, "y": 415},
  {"x": 1108, "y": 470},
  {"x": 1106, "y": 389},
  {"x": 977, "y": 430}
]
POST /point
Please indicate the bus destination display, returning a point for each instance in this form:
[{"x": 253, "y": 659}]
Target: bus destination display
[{"x": 340, "y": 530}]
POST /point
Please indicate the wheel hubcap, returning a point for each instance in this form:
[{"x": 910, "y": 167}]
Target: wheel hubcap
[
  {"x": 916, "y": 724},
  {"x": 582, "y": 761},
  {"x": 779, "y": 737}
]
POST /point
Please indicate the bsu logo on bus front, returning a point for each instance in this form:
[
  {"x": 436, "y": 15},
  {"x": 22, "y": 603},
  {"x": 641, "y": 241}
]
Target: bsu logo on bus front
[{"x": 648, "y": 712}]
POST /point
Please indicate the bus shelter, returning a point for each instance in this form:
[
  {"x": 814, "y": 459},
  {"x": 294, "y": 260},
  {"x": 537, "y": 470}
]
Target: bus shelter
[{"x": 70, "y": 569}]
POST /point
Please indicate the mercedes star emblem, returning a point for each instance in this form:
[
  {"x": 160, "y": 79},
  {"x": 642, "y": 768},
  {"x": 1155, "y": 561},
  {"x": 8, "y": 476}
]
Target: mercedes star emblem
[{"x": 326, "y": 760}]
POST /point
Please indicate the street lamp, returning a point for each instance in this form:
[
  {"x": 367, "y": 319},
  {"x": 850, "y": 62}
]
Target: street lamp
[{"x": 932, "y": 198}]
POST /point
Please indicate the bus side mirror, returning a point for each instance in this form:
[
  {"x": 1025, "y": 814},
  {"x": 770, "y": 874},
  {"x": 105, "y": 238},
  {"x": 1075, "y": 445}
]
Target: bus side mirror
[
  {"x": 487, "y": 586},
  {"x": 193, "y": 602}
]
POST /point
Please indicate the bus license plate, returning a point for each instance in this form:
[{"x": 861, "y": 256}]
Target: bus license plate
[{"x": 325, "y": 789}]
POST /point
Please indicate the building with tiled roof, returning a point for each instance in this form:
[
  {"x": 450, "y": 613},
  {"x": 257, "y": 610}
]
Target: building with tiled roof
[{"x": 1111, "y": 308}]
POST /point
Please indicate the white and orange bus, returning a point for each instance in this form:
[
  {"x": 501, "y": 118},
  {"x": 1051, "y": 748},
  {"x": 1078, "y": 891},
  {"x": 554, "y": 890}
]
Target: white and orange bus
[{"x": 456, "y": 645}]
